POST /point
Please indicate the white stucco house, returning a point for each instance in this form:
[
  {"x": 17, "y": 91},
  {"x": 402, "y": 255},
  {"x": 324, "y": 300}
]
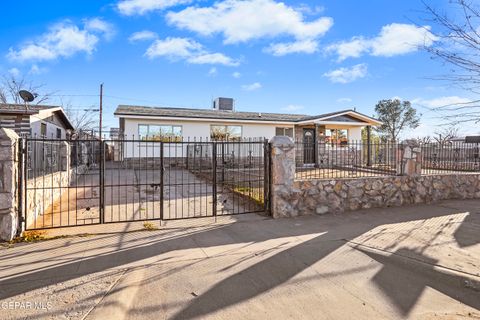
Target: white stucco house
[{"x": 223, "y": 122}]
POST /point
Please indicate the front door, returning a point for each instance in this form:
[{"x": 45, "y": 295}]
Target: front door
[{"x": 308, "y": 146}]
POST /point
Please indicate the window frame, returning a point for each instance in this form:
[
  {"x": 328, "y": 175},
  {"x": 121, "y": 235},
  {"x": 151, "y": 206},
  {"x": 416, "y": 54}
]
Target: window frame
[
  {"x": 161, "y": 137},
  {"x": 333, "y": 138},
  {"x": 284, "y": 129},
  {"x": 225, "y": 126},
  {"x": 42, "y": 126}
]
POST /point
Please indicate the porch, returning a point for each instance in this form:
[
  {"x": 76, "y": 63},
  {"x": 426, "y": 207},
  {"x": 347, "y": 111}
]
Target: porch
[{"x": 336, "y": 140}]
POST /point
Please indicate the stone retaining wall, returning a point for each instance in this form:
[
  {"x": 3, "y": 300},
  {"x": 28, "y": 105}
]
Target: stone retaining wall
[
  {"x": 323, "y": 196},
  {"x": 292, "y": 197}
]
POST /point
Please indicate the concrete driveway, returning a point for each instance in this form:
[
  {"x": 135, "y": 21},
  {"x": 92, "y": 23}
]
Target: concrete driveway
[{"x": 420, "y": 262}]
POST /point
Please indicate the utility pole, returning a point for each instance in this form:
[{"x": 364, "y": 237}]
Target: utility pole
[{"x": 101, "y": 109}]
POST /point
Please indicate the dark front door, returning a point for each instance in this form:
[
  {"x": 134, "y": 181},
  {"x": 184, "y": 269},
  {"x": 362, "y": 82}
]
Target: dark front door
[{"x": 308, "y": 146}]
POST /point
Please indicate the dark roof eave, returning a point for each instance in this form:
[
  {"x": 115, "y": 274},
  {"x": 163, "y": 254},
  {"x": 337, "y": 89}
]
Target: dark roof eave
[
  {"x": 204, "y": 117},
  {"x": 248, "y": 116}
]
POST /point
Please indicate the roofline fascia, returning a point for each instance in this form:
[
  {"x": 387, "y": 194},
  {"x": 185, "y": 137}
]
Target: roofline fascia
[
  {"x": 60, "y": 109},
  {"x": 118, "y": 115},
  {"x": 316, "y": 120}
]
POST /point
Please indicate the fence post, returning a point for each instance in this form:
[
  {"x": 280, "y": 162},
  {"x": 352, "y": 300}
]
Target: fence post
[
  {"x": 9, "y": 173},
  {"x": 283, "y": 174},
  {"x": 65, "y": 154},
  {"x": 410, "y": 158}
]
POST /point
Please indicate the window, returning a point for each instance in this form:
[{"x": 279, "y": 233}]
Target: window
[
  {"x": 288, "y": 132},
  {"x": 43, "y": 129},
  {"x": 232, "y": 133},
  {"x": 337, "y": 136},
  {"x": 59, "y": 133},
  {"x": 159, "y": 132}
]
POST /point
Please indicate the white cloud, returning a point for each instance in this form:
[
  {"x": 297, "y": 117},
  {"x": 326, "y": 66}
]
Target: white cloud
[
  {"x": 212, "y": 72},
  {"x": 396, "y": 38},
  {"x": 252, "y": 87},
  {"x": 344, "y": 100},
  {"x": 61, "y": 41},
  {"x": 346, "y": 75},
  {"x": 101, "y": 26},
  {"x": 140, "y": 7},
  {"x": 301, "y": 46},
  {"x": 293, "y": 107},
  {"x": 14, "y": 72},
  {"x": 173, "y": 48},
  {"x": 245, "y": 20},
  {"x": 350, "y": 49},
  {"x": 306, "y": 9},
  {"x": 393, "y": 39},
  {"x": 142, "y": 36},
  {"x": 447, "y": 101},
  {"x": 236, "y": 74},
  {"x": 188, "y": 50},
  {"x": 35, "y": 69},
  {"x": 213, "y": 58}
]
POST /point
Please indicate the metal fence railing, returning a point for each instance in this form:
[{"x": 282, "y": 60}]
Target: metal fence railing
[
  {"x": 43, "y": 157},
  {"x": 450, "y": 157},
  {"x": 348, "y": 159}
]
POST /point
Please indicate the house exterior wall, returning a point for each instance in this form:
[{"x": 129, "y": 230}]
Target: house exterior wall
[
  {"x": 20, "y": 123},
  {"x": 52, "y": 122},
  {"x": 354, "y": 132},
  {"x": 190, "y": 130}
]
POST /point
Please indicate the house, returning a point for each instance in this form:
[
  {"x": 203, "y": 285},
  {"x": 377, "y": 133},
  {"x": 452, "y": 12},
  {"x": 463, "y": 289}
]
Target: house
[
  {"x": 223, "y": 122},
  {"x": 36, "y": 120}
]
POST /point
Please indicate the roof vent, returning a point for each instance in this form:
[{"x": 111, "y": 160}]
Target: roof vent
[{"x": 223, "y": 104}]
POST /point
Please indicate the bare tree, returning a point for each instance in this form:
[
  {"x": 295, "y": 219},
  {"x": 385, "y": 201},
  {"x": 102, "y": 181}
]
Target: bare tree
[
  {"x": 424, "y": 140},
  {"x": 457, "y": 45},
  {"x": 81, "y": 119},
  {"x": 445, "y": 135},
  {"x": 10, "y": 85}
]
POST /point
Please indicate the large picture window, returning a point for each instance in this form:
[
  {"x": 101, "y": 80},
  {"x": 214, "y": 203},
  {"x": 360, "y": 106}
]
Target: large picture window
[
  {"x": 337, "y": 136},
  {"x": 288, "y": 132},
  {"x": 159, "y": 132},
  {"x": 230, "y": 133}
]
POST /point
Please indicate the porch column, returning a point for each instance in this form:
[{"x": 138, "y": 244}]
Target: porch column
[
  {"x": 320, "y": 147},
  {"x": 369, "y": 147}
]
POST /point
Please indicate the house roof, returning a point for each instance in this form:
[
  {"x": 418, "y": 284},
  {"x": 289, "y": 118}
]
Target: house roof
[
  {"x": 12, "y": 108},
  {"x": 129, "y": 110}
]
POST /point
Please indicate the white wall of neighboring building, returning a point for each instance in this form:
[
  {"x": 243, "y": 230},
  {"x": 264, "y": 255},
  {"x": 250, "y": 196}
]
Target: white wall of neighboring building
[{"x": 43, "y": 116}]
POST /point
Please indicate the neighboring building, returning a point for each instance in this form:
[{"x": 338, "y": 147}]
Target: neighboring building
[
  {"x": 223, "y": 122},
  {"x": 35, "y": 120}
]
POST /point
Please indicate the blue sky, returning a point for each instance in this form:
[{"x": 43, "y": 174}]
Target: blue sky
[{"x": 294, "y": 56}]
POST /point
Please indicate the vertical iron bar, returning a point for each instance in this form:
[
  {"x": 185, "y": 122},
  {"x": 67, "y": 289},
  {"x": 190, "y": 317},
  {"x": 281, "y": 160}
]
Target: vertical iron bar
[
  {"x": 102, "y": 181},
  {"x": 214, "y": 178},
  {"x": 162, "y": 172}
]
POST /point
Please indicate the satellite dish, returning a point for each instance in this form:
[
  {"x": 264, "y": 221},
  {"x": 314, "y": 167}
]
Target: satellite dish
[{"x": 26, "y": 96}]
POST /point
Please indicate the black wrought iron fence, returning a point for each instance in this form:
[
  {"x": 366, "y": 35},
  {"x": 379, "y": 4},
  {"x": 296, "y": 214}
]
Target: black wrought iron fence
[
  {"x": 349, "y": 159},
  {"x": 44, "y": 157},
  {"x": 450, "y": 157}
]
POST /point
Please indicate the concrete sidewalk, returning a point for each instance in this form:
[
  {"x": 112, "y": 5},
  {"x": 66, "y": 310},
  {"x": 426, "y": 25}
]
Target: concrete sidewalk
[{"x": 419, "y": 262}]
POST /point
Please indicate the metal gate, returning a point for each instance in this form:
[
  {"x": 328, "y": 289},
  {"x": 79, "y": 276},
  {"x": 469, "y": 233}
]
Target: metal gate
[{"x": 83, "y": 182}]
